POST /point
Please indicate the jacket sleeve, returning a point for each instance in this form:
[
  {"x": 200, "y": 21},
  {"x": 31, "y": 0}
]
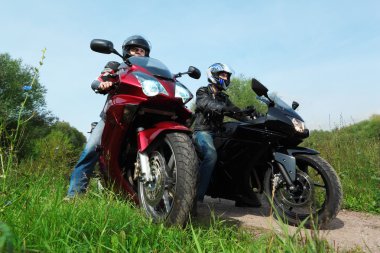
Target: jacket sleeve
[
  {"x": 231, "y": 105},
  {"x": 205, "y": 103},
  {"x": 107, "y": 74}
]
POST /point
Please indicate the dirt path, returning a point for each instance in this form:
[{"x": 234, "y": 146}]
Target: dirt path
[{"x": 348, "y": 230}]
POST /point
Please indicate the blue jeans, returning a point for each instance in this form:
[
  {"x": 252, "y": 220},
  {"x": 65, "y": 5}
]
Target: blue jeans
[
  {"x": 84, "y": 169},
  {"x": 205, "y": 145}
]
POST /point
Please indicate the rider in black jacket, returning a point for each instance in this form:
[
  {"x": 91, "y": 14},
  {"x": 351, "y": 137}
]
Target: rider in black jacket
[{"x": 211, "y": 105}]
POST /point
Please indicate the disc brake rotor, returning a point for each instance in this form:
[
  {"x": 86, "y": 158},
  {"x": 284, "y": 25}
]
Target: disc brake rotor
[
  {"x": 154, "y": 190},
  {"x": 301, "y": 195}
]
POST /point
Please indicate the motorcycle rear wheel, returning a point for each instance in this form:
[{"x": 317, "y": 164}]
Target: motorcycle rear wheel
[
  {"x": 173, "y": 164},
  {"x": 317, "y": 196}
]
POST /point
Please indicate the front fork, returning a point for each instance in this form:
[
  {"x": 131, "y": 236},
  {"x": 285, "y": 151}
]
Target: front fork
[
  {"x": 145, "y": 138},
  {"x": 287, "y": 166},
  {"x": 145, "y": 175},
  {"x": 142, "y": 166}
]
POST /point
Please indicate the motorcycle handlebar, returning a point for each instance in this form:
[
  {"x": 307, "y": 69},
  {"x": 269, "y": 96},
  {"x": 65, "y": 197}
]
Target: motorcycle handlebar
[
  {"x": 244, "y": 112},
  {"x": 250, "y": 112}
]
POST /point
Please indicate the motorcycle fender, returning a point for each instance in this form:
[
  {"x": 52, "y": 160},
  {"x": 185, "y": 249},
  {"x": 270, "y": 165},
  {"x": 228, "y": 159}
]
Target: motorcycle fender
[
  {"x": 147, "y": 136},
  {"x": 301, "y": 150},
  {"x": 288, "y": 162}
]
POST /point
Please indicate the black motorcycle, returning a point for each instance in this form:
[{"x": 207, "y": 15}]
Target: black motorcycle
[{"x": 261, "y": 155}]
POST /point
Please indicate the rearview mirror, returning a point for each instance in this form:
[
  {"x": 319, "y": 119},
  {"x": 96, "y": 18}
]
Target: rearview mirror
[
  {"x": 259, "y": 88},
  {"x": 295, "y": 105},
  {"x": 194, "y": 72},
  {"x": 102, "y": 46}
]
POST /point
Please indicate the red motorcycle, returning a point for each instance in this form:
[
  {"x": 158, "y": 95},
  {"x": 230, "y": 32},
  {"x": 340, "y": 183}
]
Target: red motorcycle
[{"x": 146, "y": 149}]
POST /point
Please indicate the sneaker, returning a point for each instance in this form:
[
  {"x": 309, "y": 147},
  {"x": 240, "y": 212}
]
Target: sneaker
[{"x": 68, "y": 199}]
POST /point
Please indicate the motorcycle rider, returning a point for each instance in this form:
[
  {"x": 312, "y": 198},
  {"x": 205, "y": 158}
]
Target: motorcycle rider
[
  {"x": 135, "y": 45},
  {"x": 211, "y": 104}
]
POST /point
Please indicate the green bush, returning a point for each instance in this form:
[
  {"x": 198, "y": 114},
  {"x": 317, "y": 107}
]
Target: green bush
[
  {"x": 241, "y": 94},
  {"x": 60, "y": 148}
]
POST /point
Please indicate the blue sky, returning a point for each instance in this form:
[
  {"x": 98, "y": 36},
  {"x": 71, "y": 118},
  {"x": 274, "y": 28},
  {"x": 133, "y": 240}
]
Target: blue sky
[{"x": 323, "y": 54}]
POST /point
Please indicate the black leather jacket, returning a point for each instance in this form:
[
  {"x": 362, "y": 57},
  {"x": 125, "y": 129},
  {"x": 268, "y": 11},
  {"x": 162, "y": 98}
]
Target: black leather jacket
[{"x": 209, "y": 109}]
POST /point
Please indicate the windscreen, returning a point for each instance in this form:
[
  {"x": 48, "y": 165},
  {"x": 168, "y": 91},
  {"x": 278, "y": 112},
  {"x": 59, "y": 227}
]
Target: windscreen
[
  {"x": 154, "y": 66},
  {"x": 282, "y": 105},
  {"x": 279, "y": 102}
]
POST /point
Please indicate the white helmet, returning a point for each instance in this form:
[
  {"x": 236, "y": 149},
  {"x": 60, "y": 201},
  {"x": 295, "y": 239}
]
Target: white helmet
[{"x": 213, "y": 75}]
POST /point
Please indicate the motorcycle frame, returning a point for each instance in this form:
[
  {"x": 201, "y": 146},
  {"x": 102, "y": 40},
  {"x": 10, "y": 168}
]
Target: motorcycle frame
[{"x": 264, "y": 143}]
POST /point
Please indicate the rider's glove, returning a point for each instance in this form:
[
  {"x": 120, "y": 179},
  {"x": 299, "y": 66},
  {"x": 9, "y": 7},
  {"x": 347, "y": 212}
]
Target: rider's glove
[
  {"x": 251, "y": 110},
  {"x": 230, "y": 109}
]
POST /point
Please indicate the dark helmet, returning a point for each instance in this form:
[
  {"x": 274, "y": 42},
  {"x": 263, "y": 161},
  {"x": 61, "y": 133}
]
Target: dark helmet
[
  {"x": 135, "y": 41},
  {"x": 213, "y": 75}
]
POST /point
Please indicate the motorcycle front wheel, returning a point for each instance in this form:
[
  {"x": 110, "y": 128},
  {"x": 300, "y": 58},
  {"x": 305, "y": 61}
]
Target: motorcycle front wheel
[
  {"x": 316, "y": 197},
  {"x": 169, "y": 197}
]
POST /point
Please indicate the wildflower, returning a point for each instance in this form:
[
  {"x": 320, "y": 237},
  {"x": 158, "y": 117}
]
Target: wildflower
[{"x": 27, "y": 87}]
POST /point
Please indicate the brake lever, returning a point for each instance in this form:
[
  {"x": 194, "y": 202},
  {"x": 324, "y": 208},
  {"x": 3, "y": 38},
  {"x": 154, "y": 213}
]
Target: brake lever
[{"x": 107, "y": 76}]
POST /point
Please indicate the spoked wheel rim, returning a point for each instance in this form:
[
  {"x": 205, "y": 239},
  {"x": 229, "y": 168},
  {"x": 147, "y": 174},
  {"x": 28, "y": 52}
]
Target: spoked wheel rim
[
  {"x": 157, "y": 197},
  {"x": 309, "y": 196}
]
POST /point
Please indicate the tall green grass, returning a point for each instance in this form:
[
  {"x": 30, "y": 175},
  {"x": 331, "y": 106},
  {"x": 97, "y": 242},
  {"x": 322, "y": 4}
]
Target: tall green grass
[{"x": 36, "y": 219}]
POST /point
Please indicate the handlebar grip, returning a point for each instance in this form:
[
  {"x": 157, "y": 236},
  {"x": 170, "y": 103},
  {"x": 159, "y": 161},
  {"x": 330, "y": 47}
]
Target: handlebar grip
[
  {"x": 114, "y": 86},
  {"x": 229, "y": 113}
]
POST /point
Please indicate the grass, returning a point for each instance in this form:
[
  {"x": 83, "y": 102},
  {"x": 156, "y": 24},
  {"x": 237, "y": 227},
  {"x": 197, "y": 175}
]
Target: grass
[{"x": 36, "y": 219}]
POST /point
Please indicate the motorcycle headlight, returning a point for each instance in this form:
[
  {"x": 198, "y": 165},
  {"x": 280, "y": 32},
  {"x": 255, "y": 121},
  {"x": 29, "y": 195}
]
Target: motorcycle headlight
[
  {"x": 182, "y": 92},
  {"x": 150, "y": 85},
  {"x": 299, "y": 125}
]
